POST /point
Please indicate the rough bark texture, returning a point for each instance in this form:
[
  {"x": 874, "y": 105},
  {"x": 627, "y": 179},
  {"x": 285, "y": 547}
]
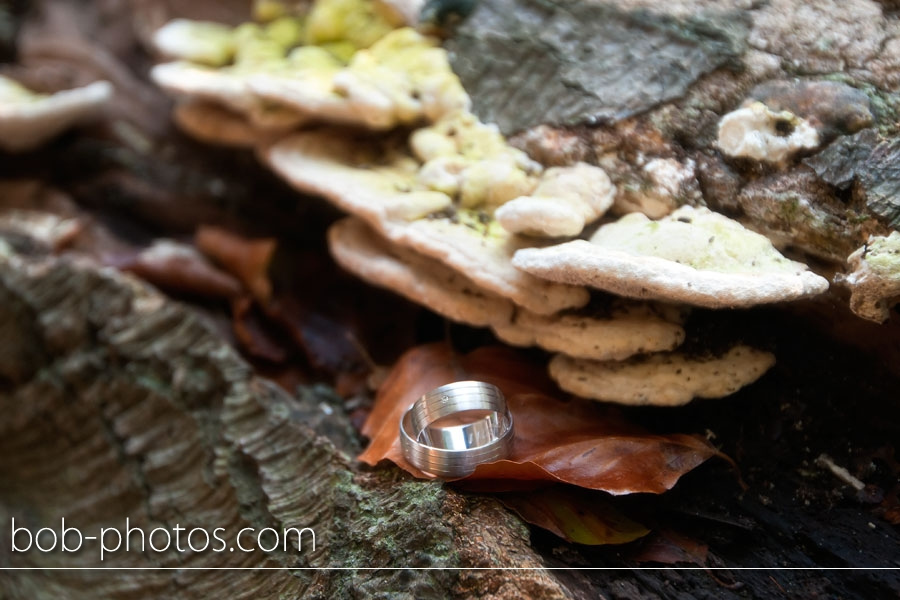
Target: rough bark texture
[
  {"x": 871, "y": 164},
  {"x": 119, "y": 403},
  {"x": 570, "y": 62}
]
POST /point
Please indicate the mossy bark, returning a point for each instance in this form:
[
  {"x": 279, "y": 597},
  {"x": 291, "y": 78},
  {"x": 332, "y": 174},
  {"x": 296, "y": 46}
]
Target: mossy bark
[{"x": 121, "y": 404}]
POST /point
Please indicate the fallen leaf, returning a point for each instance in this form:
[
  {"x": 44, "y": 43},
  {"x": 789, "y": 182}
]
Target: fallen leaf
[
  {"x": 248, "y": 260},
  {"x": 567, "y": 441},
  {"x": 669, "y": 547},
  {"x": 252, "y": 334},
  {"x": 328, "y": 345},
  {"x": 575, "y": 515},
  {"x": 180, "y": 268}
]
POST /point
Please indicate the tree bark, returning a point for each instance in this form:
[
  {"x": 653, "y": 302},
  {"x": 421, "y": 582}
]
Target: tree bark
[{"x": 121, "y": 404}]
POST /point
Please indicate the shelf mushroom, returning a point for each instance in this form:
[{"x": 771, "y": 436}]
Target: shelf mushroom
[
  {"x": 875, "y": 279},
  {"x": 28, "y": 119},
  {"x": 665, "y": 379},
  {"x": 693, "y": 256},
  {"x": 624, "y": 329},
  {"x": 382, "y": 182}
]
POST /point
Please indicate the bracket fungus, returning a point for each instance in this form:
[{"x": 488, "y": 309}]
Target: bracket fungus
[
  {"x": 346, "y": 62},
  {"x": 381, "y": 183},
  {"x": 669, "y": 379},
  {"x": 202, "y": 42},
  {"x": 757, "y": 132},
  {"x": 693, "y": 256},
  {"x": 28, "y": 119},
  {"x": 361, "y": 251},
  {"x": 214, "y": 124},
  {"x": 875, "y": 279},
  {"x": 445, "y": 212},
  {"x": 403, "y": 78},
  {"x": 564, "y": 201},
  {"x": 782, "y": 118},
  {"x": 629, "y": 328},
  {"x": 470, "y": 160},
  {"x": 190, "y": 82}
]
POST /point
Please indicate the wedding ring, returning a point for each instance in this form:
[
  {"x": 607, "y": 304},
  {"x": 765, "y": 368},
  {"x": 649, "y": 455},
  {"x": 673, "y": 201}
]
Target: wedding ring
[{"x": 456, "y": 427}]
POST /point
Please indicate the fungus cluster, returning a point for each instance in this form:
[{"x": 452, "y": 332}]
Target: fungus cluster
[
  {"x": 875, "y": 279},
  {"x": 757, "y": 132},
  {"x": 444, "y": 211},
  {"x": 28, "y": 119},
  {"x": 346, "y": 61}
]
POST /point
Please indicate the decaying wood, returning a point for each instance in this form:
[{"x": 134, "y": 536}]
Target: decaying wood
[{"x": 119, "y": 403}]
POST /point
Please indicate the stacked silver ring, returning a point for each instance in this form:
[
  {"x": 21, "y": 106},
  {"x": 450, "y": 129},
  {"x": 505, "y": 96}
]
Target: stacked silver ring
[{"x": 484, "y": 434}]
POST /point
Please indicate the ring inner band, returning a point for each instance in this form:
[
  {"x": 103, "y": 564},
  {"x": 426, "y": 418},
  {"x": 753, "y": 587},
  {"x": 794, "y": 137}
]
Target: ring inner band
[{"x": 454, "y": 428}]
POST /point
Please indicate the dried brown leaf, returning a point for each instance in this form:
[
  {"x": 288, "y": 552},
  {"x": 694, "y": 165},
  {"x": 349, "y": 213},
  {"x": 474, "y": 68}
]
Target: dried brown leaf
[
  {"x": 669, "y": 547},
  {"x": 181, "y": 269},
  {"x": 248, "y": 260},
  {"x": 327, "y": 343},
  {"x": 575, "y": 515},
  {"x": 252, "y": 334}
]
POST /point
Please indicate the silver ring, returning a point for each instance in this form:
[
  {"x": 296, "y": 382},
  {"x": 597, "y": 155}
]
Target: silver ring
[{"x": 477, "y": 428}]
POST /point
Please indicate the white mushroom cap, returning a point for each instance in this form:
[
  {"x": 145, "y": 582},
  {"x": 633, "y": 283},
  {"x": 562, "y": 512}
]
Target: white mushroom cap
[
  {"x": 875, "y": 279},
  {"x": 484, "y": 255},
  {"x": 328, "y": 163},
  {"x": 185, "y": 80},
  {"x": 201, "y": 42},
  {"x": 564, "y": 201},
  {"x": 313, "y": 92},
  {"x": 661, "y": 379},
  {"x": 402, "y": 78},
  {"x": 753, "y": 132},
  {"x": 632, "y": 329},
  {"x": 693, "y": 256},
  {"x": 213, "y": 124},
  {"x": 27, "y": 120},
  {"x": 629, "y": 329},
  {"x": 367, "y": 255},
  {"x": 359, "y": 175}
]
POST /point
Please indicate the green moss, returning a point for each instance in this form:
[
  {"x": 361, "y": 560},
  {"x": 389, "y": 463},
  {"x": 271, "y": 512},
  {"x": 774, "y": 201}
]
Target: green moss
[
  {"x": 154, "y": 384},
  {"x": 790, "y": 207},
  {"x": 376, "y": 531}
]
